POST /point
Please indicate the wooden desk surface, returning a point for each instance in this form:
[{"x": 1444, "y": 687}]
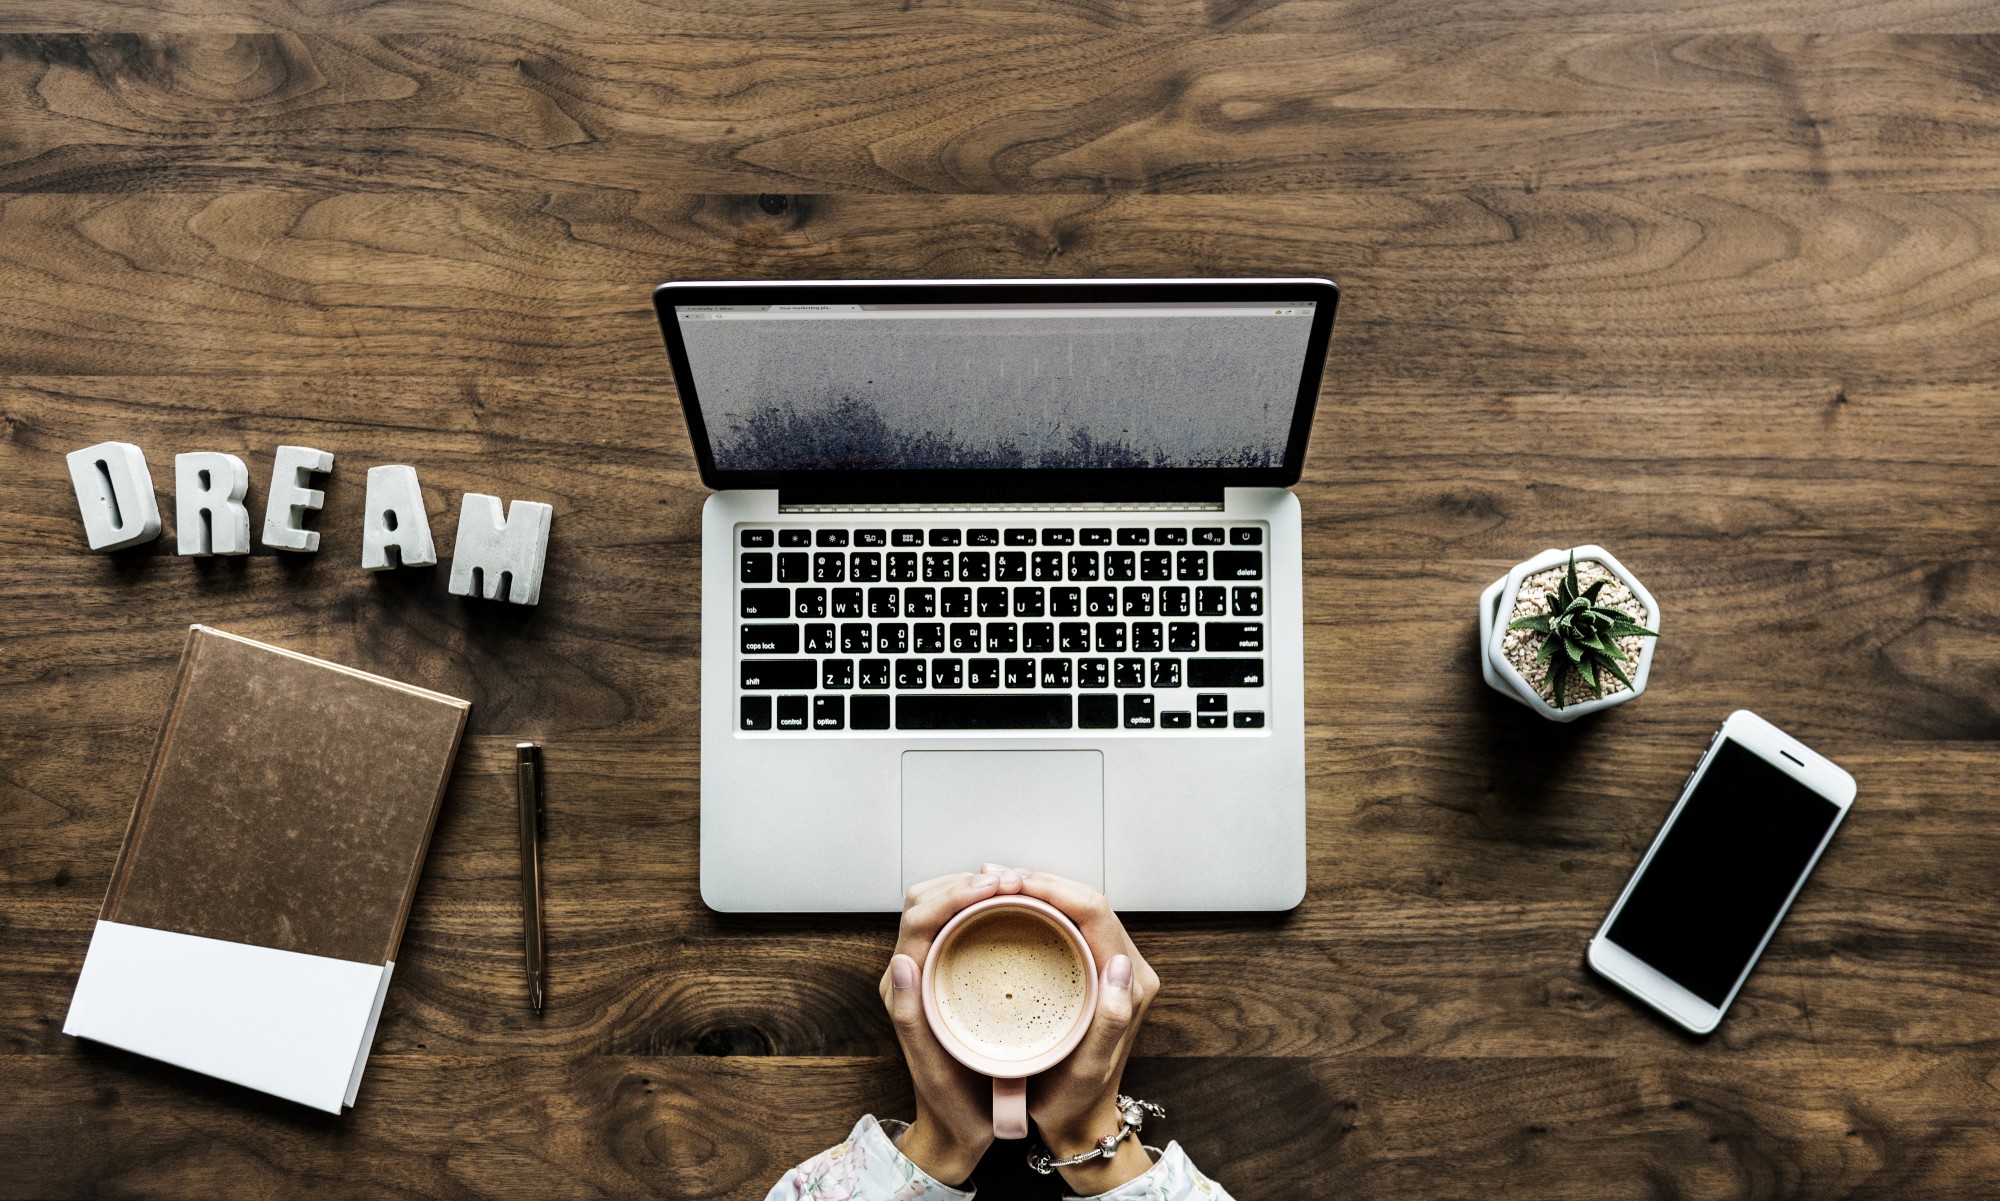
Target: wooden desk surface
[{"x": 1714, "y": 284}]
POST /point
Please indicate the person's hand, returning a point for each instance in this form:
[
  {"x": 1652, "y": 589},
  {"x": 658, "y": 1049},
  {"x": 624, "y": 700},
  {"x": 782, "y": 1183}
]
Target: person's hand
[
  {"x": 954, "y": 1122},
  {"x": 1075, "y": 1103}
]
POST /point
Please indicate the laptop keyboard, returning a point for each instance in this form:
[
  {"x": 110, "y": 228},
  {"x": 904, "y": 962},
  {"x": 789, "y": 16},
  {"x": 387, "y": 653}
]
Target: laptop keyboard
[{"x": 922, "y": 627}]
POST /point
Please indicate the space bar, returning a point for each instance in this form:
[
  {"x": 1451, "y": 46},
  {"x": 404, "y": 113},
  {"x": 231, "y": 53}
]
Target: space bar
[{"x": 998, "y": 711}]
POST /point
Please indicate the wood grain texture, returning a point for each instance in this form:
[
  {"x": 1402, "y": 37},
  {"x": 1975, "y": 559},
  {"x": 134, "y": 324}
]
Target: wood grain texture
[{"x": 1712, "y": 284}]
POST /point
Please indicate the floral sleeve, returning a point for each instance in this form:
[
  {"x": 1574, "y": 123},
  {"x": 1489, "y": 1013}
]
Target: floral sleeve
[
  {"x": 1172, "y": 1178},
  {"x": 867, "y": 1167}
]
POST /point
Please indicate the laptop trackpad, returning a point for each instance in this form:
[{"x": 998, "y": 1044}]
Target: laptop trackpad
[{"x": 1035, "y": 809}]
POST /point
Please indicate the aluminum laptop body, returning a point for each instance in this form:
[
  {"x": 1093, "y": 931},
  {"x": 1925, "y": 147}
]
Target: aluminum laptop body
[{"x": 1001, "y": 571}]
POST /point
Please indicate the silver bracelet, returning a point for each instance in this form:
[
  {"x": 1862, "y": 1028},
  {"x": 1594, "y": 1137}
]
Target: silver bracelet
[{"x": 1132, "y": 1117}]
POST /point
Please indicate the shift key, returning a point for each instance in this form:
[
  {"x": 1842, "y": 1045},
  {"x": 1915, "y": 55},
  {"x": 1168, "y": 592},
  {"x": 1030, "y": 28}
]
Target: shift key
[
  {"x": 1230, "y": 636},
  {"x": 1221, "y": 673},
  {"x": 791, "y": 674}
]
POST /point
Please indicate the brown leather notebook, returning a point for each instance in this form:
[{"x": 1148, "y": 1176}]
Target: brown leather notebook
[{"x": 289, "y": 804}]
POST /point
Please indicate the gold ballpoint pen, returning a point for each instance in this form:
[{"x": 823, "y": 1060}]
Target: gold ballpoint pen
[{"x": 528, "y": 794}]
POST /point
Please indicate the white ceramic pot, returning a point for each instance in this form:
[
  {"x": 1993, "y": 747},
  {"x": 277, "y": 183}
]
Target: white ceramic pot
[{"x": 1498, "y": 600}]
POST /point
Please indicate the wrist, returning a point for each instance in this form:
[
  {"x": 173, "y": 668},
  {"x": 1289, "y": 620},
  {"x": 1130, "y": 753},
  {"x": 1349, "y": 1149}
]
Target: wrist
[
  {"x": 947, "y": 1158},
  {"x": 1074, "y": 1137}
]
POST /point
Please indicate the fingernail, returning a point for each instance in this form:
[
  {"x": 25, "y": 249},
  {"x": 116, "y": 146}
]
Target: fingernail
[
  {"x": 1119, "y": 974},
  {"x": 985, "y": 881},
  {"x": 1012, "y": 876},
  {"x": 903, "y": 973}
]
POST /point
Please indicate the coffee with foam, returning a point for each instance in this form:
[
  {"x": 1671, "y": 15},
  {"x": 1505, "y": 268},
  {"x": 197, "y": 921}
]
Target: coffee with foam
[{"x": 1009, "y": 985}]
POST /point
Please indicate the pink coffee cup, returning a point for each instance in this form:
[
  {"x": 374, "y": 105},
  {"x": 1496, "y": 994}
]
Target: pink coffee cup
[{"x": 1010, "y": 1076}]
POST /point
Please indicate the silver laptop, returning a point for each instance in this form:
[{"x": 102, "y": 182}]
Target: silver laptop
[{"x": 1000, "y": 570}]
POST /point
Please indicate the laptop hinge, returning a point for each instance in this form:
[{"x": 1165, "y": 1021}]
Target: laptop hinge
[{"x": 1080, "y": 506}]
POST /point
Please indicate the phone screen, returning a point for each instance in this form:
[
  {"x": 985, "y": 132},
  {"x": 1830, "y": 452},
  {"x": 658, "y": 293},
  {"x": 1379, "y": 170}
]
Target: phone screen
[{"x": 1723, "y": 873}]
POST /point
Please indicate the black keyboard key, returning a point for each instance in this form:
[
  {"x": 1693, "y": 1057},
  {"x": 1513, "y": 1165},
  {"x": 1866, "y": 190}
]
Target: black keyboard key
[
  {"x": 944, "y": 537},
  {"x": 1058, "y": 537},
  {"x": 829, "y": 712},
  {"x": 1002, "y": 637},
  {"x": 907, "y": 538},
  {"x": 892, "y": 638},
  {"x": 1211, "y": 602},
  {"x": 910, "y": 673},
  {"x": 1138, "y": 710},
  {"x": 1093, "y": 673},
  {"x": 871, "y": 537},
  {"x": 767, "y": 602},
  {"x": 1213, "y": 721},
  {"x": 794, "y": 567},
  {"x": 1083, "y": 565},
  {"x": 1121, "y": 565},
  {"x": 1010, "y": 566},
  {"x": 1183, "y": 637},
  {"x": 1066, "y": 602},
  {"x": 1208, "y": 535},
  {"x": 1029, "y": 602},
  {"x": 996, "y": 711},
  {"x": 955, "y": 602},
  {"x": 982, "y": 537},
  {"x": 1146, "y": 637},
  {"x": 1100, "y": 602},
  {"x": 809, "y": 602},
  {"x": 1138, "y": 601},
  {"x": 1212, "y": 702},
  {"x": 792, "y": 712},
  {"x": 919, "y": 602},
  {"x": 1133, "y": 537},
  {"x": 1099, "y": 712},
  {"x": 1055, "y": 673},
  {"x": 1110, "y": 637},
  {"x": 1128, "y": 673},
  {"x": 1249, "y": 719},
  {"x": 872, "y": 673},
  {"x": 884, "y": 602},
  {"x": 819, "y": 638},
  {"x": 868, "y": 712},
  {"x": 975, "y": 566},
  {"x": 771, "y": 640},
  {"x": 1225, "y": 673},
  {"x": 832, "y": 538},
  {"x": 937, "y": 567},
  {"x": 1018, "y": 673},
  {"x": 982, "y": 673},
  {"x": 1246, "y": 535},
  {"x": 847, "y": 602},
  {"x": 1038, "y": 637},
  {"x": 1172, "y": 719},
  {"x": 1171, "y": 536},
  {"x": 1191, "y": 564},
  {"x": 1246, "y": 601},
  {"x": 756, "y": 709},
  {"x": 795, "y": 538},
  {"x": 1229, "y": 636},
  {"x": 770, "y": 675},
  {"x": 857, "y": 638},
  {"x": 1166, "y": 673},
  {"x": 759, "y": 538},
  {"x": 1239, "y": 565},
  {"x": 1020, "y": 537},
  {"x": 930, "y": 638},
  {"x": 1095, "y": 537},
  {"x": 947, "y": 673},
  {"x": 864, "y": 566},
  {"x": 836, "y": 674},
  {"x": 756, "y": 568},
  {"x": 902, "y": 566},
  {"x": 964, "y": 638},
  {"x": 1156, "y": 565},
  {"x": 1047, "y": 565},
  {"x": 1075, "y": 637},
  {"x": 992, "y": 602}
]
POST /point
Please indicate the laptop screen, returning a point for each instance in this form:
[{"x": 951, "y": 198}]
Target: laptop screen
[{"x": 1042, "y": 383}]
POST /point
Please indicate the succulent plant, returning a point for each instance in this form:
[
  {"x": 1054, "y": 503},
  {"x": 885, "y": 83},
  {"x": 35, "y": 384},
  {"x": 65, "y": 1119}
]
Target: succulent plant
[{"x": 1581, "y": 635}]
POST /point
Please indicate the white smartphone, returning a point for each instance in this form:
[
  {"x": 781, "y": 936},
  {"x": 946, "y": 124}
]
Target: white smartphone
[{"x": 1751, "y": 822}]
